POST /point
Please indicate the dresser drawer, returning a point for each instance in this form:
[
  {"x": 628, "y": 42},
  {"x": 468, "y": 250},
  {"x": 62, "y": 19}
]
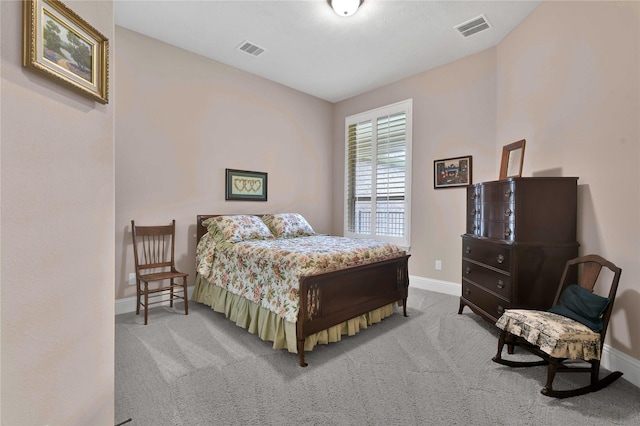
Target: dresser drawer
[
  {"x": 473, "y": 215},
  {"x": 497, "y": 192},
  {"x": 474, "y": 227},
  {"x": 497, "y": 230},
  {"x": 491, "y": 220},
  {"x": 474, "y": 194},
  {"x": 488, "y": 253},
  {"x": 493, "y": 281},
  {"x": 498, "y": 212},
  {"x": 490, "y": 303}
]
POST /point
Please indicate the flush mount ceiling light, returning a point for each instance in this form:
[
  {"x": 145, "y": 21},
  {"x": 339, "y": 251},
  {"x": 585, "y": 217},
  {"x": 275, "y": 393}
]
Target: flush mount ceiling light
[{"x": 345, "y": 7}]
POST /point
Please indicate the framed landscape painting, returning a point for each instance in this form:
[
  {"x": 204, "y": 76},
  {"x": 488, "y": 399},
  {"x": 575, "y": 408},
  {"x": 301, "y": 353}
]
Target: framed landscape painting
[
  {"x": 63, "y": 46},
  {"x": 452, "y": 172}
]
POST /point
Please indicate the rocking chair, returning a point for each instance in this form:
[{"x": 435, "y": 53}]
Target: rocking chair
[{"x": 573, "y": 329}]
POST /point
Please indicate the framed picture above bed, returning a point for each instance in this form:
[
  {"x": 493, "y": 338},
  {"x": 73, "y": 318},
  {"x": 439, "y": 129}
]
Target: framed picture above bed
[
  {"x": 452, "y": 172},
  {"x": 244, "y": 185},
  {"x": 60, "y": 44}
]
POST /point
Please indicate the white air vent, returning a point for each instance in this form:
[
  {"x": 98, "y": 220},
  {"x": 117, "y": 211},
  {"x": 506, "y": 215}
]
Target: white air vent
[
  {"x": 251, "y": 49},
  {"x": 473, "y": 26}
]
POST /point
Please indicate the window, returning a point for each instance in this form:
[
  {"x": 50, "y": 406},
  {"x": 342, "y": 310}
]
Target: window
[{"x": 378, "y": 174}]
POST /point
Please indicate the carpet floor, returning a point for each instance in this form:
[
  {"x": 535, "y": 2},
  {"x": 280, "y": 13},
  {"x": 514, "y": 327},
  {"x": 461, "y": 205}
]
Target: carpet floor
[{"x": 432, "y": 368}]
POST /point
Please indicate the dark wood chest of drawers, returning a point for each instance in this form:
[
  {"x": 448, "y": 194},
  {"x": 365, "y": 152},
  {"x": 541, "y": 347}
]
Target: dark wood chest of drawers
[{"x": 520, "y": 234}]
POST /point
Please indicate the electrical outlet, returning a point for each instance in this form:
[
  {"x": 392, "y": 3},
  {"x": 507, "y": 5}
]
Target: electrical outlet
[
  {"x": 438, "y": 265},
  {"x": 132, "y": 279}
]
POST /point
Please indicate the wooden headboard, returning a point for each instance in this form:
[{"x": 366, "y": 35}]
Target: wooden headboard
[{"x": 201, "y": 229}]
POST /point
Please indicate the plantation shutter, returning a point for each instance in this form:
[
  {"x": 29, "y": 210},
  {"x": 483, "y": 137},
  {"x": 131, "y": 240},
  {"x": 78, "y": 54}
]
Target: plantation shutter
[
  {"x": 377, "y": 176},
  {"x": 359, "y": 160},
  {"x": 390, "y": 176}
]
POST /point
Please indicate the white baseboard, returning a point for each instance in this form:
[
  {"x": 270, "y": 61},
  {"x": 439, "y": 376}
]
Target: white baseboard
[
  {"x": 446, "y": 287},
  {"x": 128, "y": 304},
  {"x": 612, "y": 359}
]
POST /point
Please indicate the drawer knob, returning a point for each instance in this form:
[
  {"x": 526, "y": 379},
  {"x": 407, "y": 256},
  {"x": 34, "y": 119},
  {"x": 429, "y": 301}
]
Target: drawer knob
[
  {"x": 500, "y": 284},
  {"x": 507, "y": 233},
  {"x": 508, "y": 212},
  {"x": 468, "y": 249},
  {"x": 474, "y": 196},
  {"x": 500, "y": 258},
  {"x": 468, "y": 270},
  {"x": 500, "y": 310},
  {"x": 507, "y": 193},
  {"x": 473, "y": 212},
  {"x": 467, "y": 291}
]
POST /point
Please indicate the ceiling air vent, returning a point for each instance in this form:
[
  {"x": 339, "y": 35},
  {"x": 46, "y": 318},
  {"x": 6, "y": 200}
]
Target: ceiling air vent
[
  {"x": 251, "y": 49},
  {"x": 473, "y": 26}
]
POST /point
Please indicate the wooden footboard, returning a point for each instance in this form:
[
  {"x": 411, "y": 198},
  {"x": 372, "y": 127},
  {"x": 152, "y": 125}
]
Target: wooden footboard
[{"x": 330, "y": 298}]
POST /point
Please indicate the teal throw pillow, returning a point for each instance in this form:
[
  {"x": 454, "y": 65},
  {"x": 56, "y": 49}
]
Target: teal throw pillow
[{"x": 581, "y": 305}]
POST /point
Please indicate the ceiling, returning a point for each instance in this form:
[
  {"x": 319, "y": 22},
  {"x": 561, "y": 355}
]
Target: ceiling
[{"x": 310, "y": 48}]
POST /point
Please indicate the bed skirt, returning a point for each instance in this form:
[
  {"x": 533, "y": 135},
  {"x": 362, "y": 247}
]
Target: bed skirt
[{"x": 269, "y": 326}]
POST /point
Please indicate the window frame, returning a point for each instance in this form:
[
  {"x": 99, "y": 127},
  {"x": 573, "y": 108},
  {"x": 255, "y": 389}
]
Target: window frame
[{"x": 372, "y": 116}]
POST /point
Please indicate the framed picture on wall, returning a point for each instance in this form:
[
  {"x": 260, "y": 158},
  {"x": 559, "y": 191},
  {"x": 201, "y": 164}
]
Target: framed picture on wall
[
  {"x": 245, "y": 186},
  {"x": 452, "y": 172},
  {"x": 60, "y": 44}
]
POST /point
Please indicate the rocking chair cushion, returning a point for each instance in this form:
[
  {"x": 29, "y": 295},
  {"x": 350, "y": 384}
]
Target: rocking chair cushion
[
  {"x": 581, "y": 305},
  {"x": 555, "y": 335}
]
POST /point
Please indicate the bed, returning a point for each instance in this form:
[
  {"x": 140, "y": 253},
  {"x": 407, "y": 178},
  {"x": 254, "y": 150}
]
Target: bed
[{"x": 296, "y": 309}]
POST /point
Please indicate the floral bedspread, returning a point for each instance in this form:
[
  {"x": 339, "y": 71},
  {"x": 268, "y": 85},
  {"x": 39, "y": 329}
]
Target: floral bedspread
[{"x": 268, "y": 271}]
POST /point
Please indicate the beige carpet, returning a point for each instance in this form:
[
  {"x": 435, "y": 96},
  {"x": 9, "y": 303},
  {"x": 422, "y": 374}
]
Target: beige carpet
[{"x": 432, "y": 368}]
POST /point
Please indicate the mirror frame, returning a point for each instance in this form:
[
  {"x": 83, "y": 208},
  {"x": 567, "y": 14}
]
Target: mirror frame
[{"x": 507, "y": 166}]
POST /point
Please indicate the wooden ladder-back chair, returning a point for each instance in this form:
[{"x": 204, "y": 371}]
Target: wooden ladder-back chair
[
  {"x": 154, "y": 253},
  {"x": 568, "y": 337}
]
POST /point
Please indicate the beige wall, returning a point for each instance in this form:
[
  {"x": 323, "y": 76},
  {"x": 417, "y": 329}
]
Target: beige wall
[
  {"x": 182, "y": 119},
  {"x": 453, "y": 115},
  {"x": 567, "y": 80},
  {"x": 57, "y": 240}
]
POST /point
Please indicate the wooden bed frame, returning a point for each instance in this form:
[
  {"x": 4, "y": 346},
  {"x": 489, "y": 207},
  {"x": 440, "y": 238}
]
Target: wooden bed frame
[{"x": 330, "y": 298}]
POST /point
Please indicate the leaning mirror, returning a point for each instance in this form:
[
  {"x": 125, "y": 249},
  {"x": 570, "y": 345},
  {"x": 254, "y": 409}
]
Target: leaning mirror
[{"x": 512, "y": 160}]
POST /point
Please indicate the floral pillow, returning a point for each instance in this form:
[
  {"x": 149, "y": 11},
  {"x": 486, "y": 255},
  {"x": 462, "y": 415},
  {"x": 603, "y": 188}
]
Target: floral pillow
[
  {"x": 236, "y": 228},
  {"x": 288, "y": 225}
]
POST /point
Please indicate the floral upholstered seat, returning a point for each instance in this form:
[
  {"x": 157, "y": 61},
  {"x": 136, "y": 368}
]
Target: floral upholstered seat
[{"x": 554, "y": 334}]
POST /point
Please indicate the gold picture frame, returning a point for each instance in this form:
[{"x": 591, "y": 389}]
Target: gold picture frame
[
  {"x": 63, "y": 46},
  {"x": 512, "y": 160}
]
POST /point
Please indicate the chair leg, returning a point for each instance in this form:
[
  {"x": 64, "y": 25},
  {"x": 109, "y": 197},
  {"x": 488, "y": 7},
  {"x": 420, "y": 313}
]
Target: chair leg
[
  {"x": 595, "y": 383},
  {"x": 501, "y": 342},
  {"x": 186, "y": 301},
  {"x": 146, "y": 302},
  {"x": 551, "y": 374},
  {"x": 137, "y": 296},
  {"x": 510, "y": 340},
  {"x": 595, "y": 371},
  {"x": 171, "y": 295}
]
